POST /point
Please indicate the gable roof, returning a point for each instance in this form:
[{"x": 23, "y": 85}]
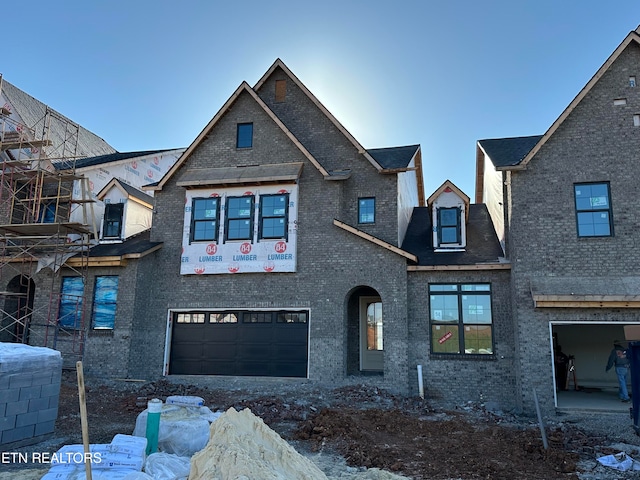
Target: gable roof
[
  {"x": 633, "y": 36},
  {"x": 243, "y": 88},
  {"x": 127, "y": 189},
  {"x": 280, "y": 64},
  {"x": 448, "y": 186},
  {"x": 483, "y": 248},
  {"x": 508, "y": 152}
]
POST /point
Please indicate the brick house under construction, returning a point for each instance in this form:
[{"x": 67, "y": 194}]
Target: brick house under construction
[{"x": 281, "y": 247}]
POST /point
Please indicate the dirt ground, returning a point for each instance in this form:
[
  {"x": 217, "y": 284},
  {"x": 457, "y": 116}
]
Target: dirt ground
[{"x": 364, "y": 426}]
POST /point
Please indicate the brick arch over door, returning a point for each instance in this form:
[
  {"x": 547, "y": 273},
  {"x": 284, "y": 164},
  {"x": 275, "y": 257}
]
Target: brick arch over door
[{"x": 356, "y": 301}]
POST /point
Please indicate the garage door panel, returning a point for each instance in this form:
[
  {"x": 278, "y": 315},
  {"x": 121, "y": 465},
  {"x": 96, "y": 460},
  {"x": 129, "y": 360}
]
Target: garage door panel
[
  {"x": 255, "y": 369},
  {"x": 254, "y": 352},
  {"x": 220, "y": 333},
  {"x": 213, "y": 367},
  {"x": 221, "y": 351},
  {"x": 247, "y": 349}
]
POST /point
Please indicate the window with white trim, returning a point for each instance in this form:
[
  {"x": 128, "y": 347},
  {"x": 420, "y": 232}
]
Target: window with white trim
[{"x": 449, "y": 226}]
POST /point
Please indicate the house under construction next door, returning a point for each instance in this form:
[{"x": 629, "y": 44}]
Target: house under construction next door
[{"x": 36, "y": 234}]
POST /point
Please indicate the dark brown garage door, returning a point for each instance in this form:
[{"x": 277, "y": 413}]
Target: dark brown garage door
[{"x": 267, "y": 344}]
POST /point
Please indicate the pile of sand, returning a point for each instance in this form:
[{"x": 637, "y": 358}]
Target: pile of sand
[{"x": 241, "y": 446}]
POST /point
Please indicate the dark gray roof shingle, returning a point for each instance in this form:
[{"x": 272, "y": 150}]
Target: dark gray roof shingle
[
  {"x": 134, "y": 192},
  {"x": 394, "y": 157},
  {"x": 483, "y": 245},
  {"x": 108, "y": 158},
  {"x": 507, "y": 152},
  {"x": 137, "y": 244}
]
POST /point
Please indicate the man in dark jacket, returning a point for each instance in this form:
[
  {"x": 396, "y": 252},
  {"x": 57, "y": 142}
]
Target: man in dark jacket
[{"x": 618, "y": 359}]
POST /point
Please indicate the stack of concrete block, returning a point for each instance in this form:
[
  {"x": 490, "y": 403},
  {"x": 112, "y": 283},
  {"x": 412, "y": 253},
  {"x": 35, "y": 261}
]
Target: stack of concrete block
[{"x": 29, "y": 393}]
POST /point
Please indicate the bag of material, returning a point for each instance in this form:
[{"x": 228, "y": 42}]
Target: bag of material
[{"x": 183, "y": 430}]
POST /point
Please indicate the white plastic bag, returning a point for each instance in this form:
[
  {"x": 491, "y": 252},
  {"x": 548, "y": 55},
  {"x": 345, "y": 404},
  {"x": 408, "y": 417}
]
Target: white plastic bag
[
  {"x": 620, "y": 461},
  {"x": 166, "y": 466}
]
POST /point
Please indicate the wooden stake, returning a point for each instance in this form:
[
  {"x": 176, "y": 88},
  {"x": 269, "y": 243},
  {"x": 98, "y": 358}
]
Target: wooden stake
[{"x": 83, "y": 420}]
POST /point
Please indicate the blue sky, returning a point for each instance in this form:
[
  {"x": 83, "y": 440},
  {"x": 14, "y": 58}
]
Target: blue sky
[{"x": 149, "y": 74}]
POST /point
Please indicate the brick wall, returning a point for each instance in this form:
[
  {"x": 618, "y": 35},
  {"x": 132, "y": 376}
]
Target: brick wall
[
  {"x": 455, "y": 380},
  {"x": 596, "y": 143},
  {"x": 331, "y": 262}
]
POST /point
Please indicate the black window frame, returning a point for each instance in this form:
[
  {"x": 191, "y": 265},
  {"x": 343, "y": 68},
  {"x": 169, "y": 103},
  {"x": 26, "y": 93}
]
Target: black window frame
[
  {"x": 366, "y": 210},
  {"x": 581, "y": 210},
  {"x": 459, "y": 292},
  {"x": 441, "y": 225},
  {"x": 195, "y": 221},
  {"x": 244, "y": 135},
  {"x": 113, "y": 220},
  {"x": 228, "y": 218},
  {"x": 262, "y": 217}
]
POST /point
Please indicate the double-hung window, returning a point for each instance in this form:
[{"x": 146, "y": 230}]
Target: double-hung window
[
  {"x": 105, "y": 297},
  {"x": 274, "y": 211},
  {"x": 239, "y": 218},
  {"x": 593, "y": 209},
  {"x": 460, "y": 318},
  {"x": 449, "y": 231},
  {"x": 204, "y": 219}
]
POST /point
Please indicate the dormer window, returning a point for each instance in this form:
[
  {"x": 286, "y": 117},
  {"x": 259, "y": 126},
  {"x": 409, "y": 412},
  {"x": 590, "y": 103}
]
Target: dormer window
[
  {"x": 113, "y": 213},
  {"x": 127, "y": 211},
  {"x": 449, "y": 208},
  {"x": 449, "y": 231}
]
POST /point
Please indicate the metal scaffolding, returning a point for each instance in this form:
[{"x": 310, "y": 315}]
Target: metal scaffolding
[{"x": 37, "y": 234}]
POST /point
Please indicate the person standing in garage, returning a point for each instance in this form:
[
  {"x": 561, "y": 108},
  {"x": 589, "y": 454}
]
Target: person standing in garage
[{"x": 618, "y": 359}]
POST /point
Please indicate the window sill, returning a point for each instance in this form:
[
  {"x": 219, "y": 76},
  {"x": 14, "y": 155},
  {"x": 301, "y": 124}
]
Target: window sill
[
  {"x": 101, "y": 332},
  {"x": 463, "y": 356}
]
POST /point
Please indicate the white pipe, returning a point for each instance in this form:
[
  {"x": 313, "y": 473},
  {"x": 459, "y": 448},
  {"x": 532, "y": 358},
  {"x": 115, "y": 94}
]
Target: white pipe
[{"x": 420, "y": 384}]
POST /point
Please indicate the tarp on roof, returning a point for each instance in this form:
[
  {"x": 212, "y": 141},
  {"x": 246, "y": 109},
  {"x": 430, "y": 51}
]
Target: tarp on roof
[{"x": 32, "y": 112}]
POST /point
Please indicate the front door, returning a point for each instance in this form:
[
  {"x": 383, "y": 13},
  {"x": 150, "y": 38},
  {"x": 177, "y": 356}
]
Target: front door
[{"x": 371, "y": 345}]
